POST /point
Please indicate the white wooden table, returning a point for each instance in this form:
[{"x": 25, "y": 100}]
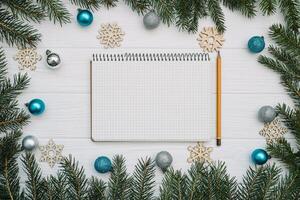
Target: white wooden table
[{"x": 247, "y": 86}]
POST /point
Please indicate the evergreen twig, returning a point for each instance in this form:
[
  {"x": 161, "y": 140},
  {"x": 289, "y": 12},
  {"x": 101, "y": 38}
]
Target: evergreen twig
[
  {"x": 56, "y": 11},
  {"x": 35, "y": 184},
  {"x": 119, "y": 182},
  {"x": 26, "y": 10},
  {"x": 9, "y": 169},
  {"x": 143, "y": 180},
  {"x": 16, "y": 32},
  {"x": 77, "y": 183},
  {"x": 97, "y": 189}
]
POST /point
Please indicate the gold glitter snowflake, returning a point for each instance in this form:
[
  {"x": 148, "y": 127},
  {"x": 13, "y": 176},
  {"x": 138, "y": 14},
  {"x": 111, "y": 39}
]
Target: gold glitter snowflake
[
  {"x": 273, "y": 131},
  {"x": 210, "y": 39},
  {"x": 27, "y": 58},
  {"x": 51, "y": 153},
  {"x": 199, "y": 153},
  {"x": 110, "y": 35}
]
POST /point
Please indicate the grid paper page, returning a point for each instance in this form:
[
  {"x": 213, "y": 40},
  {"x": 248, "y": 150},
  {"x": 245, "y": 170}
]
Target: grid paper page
[{"x": 151, "y": 101}]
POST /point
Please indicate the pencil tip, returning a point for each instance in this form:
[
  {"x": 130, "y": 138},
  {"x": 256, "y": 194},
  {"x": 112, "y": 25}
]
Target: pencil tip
[
  {"x": 218, "y": 142},
  {"x": 218, "y": 53}
]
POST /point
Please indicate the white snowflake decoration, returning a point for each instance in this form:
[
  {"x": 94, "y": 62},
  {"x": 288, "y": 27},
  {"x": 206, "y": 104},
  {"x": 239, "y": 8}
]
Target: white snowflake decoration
[
  {"x": 51, "y": 153},
  {"x": 199, "y": 153},
  {"x": 273, "y": 131},
  {"x": 110, "y": 35},
  {"x": 27, "y": 58},
  {"x": 210, "y": 39}
]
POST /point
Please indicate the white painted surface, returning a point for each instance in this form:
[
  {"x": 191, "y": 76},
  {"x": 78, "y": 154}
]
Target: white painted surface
[{"x": 246, "y": 87}]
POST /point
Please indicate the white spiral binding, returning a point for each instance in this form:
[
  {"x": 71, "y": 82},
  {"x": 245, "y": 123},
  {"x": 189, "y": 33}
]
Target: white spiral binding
[{"x": 151, "y": 57}]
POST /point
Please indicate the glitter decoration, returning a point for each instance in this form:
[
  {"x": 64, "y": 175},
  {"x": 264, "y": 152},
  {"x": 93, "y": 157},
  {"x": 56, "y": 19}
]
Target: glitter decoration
[
  {"x": 210, "y": 39},
  {"x": 110, "y": 35},
  {"x": 273, "y": 131},
  {"x": 27, "y": 58},
  {"x": 51, "y": 153},
  {"x": 199, "y": 153}
]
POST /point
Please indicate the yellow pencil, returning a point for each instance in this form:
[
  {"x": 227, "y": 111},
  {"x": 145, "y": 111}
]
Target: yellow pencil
[{"x": 219, "y": 93}]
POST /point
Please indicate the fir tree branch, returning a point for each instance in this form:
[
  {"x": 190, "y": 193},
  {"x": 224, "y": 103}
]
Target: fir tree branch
[
  {"x": 291, "y": 119},
  {"x": 16, "y": 32},
  {"x": 291, "y": 12},
  {"x": 288, "y": 187},
  {"x": 217, "y": 15},
  {"x": 286, "y": 39},
  {"x": 283, "y": 56},
  {"x": 109, "y": 3},
  {"x": 290, "y": 85},
  {"x": 119, "y": 182},
  {"x": 35, "y": 184},
  {"x": 91, "y": 5},
  {"x": 174, "y": 185},
  {"x": 283, "y": 151},
  {"x": 9, "y": 170},
  {"x": 165, "y": 10},
  {"x": 58, "y": 186},
  {"x": 77, "y": 184},
  {"x": 139, "y": 6},
  {"x": 143, "y": 180},
  {"x": 56, "y": 11},
  {"x": 258, "y": 183},
  {"x": 222, "y": 185},
  {"x": 97, "y": 189},
  {"x": 11, "y": 117},
  {"x": 183, "y": 10},
  {"x": 275, "y": 65},
  {"x": 268, "y": 7},
  {"x": 3, "y": 66},
  {"x": 25, "y": 9},
  {"x": 246, "y": 7}
]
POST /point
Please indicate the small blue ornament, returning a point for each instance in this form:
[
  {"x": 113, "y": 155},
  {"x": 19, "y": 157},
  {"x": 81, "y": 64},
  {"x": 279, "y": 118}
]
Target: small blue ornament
[
  {"x": 256, "y": 44},
  {"x": 260, "y": 156},
  {"x": 103, "y": 164},
  {"x": 84, "y": 17},
  {"x": 36, "y": 106}
]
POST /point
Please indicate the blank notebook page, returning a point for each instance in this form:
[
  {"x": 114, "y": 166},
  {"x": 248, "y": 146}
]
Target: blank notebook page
[{"x": 151, "y": 97}]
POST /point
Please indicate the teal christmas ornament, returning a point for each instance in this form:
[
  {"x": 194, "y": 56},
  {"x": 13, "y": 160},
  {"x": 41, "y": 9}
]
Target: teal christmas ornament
[
  {"x": 260, "y": 156},
  {"x": 256, "y": 44},
  {"x": 36, "y": 106},
  {"x": 84, "y": 17},
  {"x": 103, "y": 164}
]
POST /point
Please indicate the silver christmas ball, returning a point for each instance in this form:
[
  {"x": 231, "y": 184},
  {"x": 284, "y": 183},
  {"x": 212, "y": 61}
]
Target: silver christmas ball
[
  {"x": 53, "y": 60},
  {"x": 29, "y": 143},
  {"x": 151, "y": 20},
  {"x": 266, "y": 114},
  {"x": 163, "y": 160}
]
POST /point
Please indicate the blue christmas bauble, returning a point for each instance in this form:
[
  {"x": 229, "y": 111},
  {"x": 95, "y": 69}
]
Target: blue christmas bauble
[
  {"x": 36, "y": 106},
  {"x": 84, "y": 17},
  {"x": 256, "y": 44},
  {"x": 102, "y": 164},
  {"x": 260, "y": 156}
]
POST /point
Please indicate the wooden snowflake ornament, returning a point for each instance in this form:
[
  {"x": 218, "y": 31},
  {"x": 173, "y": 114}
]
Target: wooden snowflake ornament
[
  {"x": 27, "y": 58},
  {"x": 51, "y": 153},
  {"x": 210, "y": 39},
  {"x": 199, "y": 153},
  {"x": 273, "y": 131},
  {"x": 110, "y": 35}
]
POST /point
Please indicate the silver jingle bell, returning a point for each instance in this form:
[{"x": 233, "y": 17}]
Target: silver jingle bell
[
  {"x": 29, "y": 143},
  {"x": 53, "y": 60}
]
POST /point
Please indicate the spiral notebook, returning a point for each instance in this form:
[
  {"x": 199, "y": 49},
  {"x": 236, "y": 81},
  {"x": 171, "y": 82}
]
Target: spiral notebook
[{"x": 151, "y": 96}]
